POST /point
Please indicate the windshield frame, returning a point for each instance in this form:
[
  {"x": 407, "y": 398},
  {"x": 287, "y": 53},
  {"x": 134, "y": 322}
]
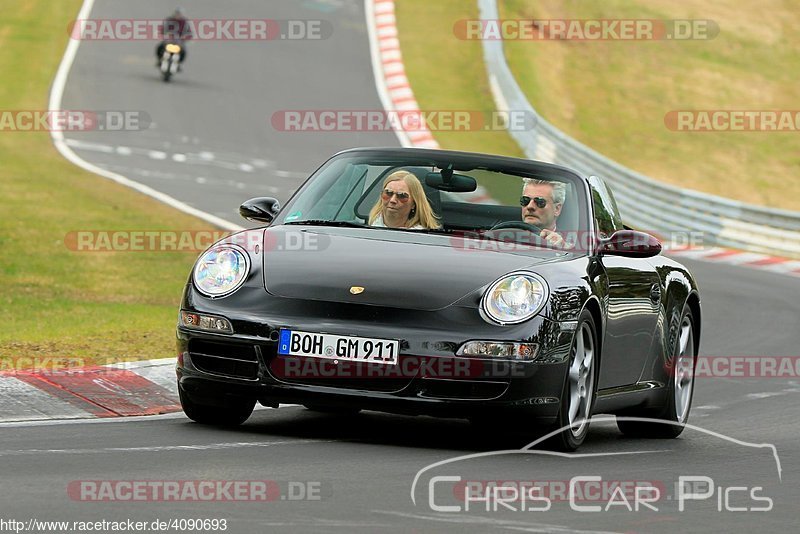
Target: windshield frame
[{"x": 460, "y": 161}]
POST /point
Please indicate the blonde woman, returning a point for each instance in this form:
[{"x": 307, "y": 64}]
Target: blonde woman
[{"x": 403, "y": 204}]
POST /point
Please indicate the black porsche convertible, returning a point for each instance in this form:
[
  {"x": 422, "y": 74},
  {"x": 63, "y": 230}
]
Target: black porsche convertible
[{"x": 443, "y": 283}]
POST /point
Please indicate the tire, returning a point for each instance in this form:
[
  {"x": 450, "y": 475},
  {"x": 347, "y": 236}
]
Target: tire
[
  {"x": 165, "y": 68},
  {"x": 580, "y": 387},
  {"x": 233, "y": 414},
  {"x": 675, "y": 412}
]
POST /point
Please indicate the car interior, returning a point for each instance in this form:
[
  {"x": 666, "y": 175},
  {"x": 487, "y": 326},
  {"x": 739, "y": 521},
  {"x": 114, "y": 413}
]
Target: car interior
[{"x": 456, "y": 210}]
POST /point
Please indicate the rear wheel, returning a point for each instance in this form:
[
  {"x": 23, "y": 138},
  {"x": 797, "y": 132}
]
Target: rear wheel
[
  {"x": 233, "y": 414},
  {"x": 675, "y": 412},
  {"x": 580, "y": 387}
]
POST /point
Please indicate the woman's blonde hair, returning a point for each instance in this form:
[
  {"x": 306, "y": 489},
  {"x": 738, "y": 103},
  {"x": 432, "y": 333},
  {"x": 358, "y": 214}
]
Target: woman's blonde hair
[{"x": 422, "y": 214}]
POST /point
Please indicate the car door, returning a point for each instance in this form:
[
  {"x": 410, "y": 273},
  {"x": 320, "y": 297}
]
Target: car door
[{"x": 633, "y": 300}]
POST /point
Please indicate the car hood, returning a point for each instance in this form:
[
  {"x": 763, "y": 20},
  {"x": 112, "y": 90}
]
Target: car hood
[{"x": 430, "y": 273}]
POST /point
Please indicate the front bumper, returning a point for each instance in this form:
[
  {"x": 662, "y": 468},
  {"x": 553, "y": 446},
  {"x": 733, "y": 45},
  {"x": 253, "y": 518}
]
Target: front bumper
[{"x": 429, "y": 378}]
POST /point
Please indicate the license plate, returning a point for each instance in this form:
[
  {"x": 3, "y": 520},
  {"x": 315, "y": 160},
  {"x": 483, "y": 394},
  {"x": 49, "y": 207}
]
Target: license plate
[{"x": 332, "y": 347}]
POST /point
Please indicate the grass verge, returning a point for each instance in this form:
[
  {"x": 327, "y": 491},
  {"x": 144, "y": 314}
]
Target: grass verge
[
  {"x": 448, "y": 74},
  {"x": 614, "y": 96},
  {"x": 96, "y": 307}
]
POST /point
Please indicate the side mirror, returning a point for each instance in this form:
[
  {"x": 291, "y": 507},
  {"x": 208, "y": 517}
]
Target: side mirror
[
  {"x": 630, "y": 244},
  {"x": 261, "y": 209}
]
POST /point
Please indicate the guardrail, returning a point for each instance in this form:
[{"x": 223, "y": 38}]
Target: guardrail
[{"x": 645, "y": 203}]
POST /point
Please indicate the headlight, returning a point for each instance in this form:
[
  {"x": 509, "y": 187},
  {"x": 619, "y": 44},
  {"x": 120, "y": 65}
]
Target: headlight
[
  {"x": 514, "y": 298},
  {"x": 221, "y": 270}
]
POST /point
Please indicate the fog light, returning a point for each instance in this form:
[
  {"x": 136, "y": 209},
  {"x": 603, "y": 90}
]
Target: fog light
[
  {"x": 492, "y": 349},
  {"x": 209, "y": 323}
]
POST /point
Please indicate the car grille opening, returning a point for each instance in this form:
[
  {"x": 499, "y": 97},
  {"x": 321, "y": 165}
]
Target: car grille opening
[
  {"x": 435, "y": 388},
  {"x": 228, "y": 359}
]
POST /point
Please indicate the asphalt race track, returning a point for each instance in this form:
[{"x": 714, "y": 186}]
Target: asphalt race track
[
  {"x": 211, "y": 143},
  {"x": 355, "y": 474}
]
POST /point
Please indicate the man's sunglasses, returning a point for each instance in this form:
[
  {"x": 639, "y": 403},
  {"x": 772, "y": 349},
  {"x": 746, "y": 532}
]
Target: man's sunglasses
[
  {"x": 402, "y": 196},
  {"x": 540, "y": 201}
]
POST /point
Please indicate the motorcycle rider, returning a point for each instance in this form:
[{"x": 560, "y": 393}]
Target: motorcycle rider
[{"x": 175, "y": 29}]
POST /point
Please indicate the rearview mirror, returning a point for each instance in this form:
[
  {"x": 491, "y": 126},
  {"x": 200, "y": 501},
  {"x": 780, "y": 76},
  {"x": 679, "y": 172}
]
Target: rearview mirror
[
  {"x": 260, "y": 209},
  {"x": 447, "y": 180},
  {"x": 630, "y": 244}
]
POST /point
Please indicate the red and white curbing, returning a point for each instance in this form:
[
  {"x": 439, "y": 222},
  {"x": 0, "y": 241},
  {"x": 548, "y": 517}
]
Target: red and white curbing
[
  {"x": 392, "y": 82},
  {"x": 123, "y": 389},
  {"x": 392, "y": 70},
  {"x": 742, "y": 258}
]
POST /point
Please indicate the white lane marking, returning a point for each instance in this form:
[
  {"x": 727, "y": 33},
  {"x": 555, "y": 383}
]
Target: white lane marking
[
  {"x": 165, "y": 448},
  {"x": 202, "y": 158},
  {"x": 765, "y": 394},
  {"x": 20, "y": 400},
  {"x": 96, "y": 147},
  {"x": 54, "y": 105},
  {"x": 708, "y": 407},
  {"x": 289, "y": 174},
  {"x": 87, "y": 419},
  {"x": 201, "y": 180}
]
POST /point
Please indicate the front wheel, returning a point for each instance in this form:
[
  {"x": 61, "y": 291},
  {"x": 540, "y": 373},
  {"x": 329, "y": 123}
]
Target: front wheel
[
  {"x": 166, "y": 67},
  {"x": 233, "y": 414},
  {"x": 675, "y": 412},
  {"x": 580, "y": 386}
]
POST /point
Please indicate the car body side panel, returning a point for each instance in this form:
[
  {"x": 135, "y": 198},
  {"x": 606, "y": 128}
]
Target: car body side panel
[{"x": 676, "y": 286}]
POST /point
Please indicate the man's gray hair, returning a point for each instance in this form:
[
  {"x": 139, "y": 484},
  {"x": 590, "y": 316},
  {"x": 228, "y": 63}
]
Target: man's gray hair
[{"x": 559, "y": 188}]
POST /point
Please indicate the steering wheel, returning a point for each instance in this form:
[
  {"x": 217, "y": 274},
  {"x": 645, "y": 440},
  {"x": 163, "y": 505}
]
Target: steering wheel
[{"x": 518, "y": 224}]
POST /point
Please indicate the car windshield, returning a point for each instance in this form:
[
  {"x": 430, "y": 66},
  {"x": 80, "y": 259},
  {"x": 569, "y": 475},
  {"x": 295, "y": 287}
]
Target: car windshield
[{"x": 502, "y": 200}]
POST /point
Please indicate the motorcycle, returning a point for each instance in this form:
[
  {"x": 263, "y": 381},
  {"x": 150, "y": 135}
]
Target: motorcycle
[{"x": 170, "y": 60}]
